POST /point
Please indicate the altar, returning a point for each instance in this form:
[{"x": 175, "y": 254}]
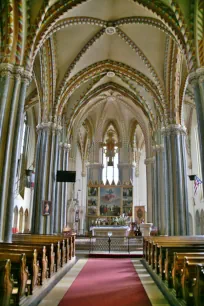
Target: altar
[{"x": 115, "y": 230}]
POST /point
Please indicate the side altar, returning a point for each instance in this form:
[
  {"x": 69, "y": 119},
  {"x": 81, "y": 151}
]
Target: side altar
[{"x": 121, "y": 231}]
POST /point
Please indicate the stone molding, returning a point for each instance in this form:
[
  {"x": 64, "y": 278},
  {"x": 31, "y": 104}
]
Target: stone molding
[
  {"x": 149, "y": 161},
  {"x": 125, "y": 165},
  {"x": 95, "y": 165},
  {"x": 158, "y": 148},
  {"x": 49, "y": 126},
  {"x": 65, "y": 146},
  {"x": 196, "y": 77},
  {"x": 174, "y": 129},
  {"x": 14, "y": 71}
]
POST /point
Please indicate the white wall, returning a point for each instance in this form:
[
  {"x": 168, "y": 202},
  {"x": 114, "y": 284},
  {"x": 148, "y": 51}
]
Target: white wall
[{"x": 196, "y": 202}]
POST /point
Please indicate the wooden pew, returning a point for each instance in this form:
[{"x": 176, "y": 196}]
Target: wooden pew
[
  {"x": 149, "y": 241},
  {"x": 19, "y": 272},
  {"x": 198, "y": 289},
  {"x": 6, "y": 282},
  {"x": 41, "y": 252},
  {"x": 37, "y": 239},
  {"x": 67, "y": 243},
  {"x": 160, "y": 254},
  {"x": 188, "y": 278},
  {"x": 177, "y": 269}
]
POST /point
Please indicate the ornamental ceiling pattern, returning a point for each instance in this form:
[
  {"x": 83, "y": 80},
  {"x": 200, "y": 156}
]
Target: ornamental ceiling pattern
[{"x": 69, "y": 50}]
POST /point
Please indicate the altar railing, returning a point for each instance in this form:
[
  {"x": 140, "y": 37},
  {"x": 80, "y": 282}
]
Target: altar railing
[{"x": 113, "y": 244}]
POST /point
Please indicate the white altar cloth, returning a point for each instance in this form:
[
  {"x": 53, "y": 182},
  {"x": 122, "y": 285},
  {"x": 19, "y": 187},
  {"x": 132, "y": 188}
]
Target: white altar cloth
[{"x": 115, "y": 230}]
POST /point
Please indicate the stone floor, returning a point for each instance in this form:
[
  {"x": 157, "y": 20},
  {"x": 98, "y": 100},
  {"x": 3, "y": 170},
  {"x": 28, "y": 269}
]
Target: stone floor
[{"x": 57, "y": 293}]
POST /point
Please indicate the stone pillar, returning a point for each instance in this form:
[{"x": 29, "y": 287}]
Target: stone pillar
[
  {"x": 175, "y": 178},
  {"x": 66, "y": 148},
  {"x": 159, "y": 212},
  {"x": 197, "y": 81},
  {"x": 95, "y": 172},
  {"x": 149, "y": 177},
  {"x": 13, "y": 85},
  {"x": 45, "y": 177},
  {"x": 125, "y": 172}
]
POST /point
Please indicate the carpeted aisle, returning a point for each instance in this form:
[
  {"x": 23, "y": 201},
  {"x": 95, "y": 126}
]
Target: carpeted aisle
[{"x": 106, "y": 282}]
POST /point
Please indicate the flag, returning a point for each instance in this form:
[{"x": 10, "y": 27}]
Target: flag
[{"x": 197, "y": 182}]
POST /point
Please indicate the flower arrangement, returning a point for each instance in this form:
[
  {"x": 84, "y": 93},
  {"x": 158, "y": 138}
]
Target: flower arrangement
[{"x": 121, "y": 220}]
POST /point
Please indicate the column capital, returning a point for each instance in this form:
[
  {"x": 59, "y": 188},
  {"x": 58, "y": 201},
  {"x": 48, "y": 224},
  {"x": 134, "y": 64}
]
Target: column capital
[
  {"x": 174, "y": 129},
  {"x": 196, "y": 77},
  {"x": 125, "y": 165},
  {"x": 49, "y": 126},
  {"x": 15, "y": 71},
  {"x": 149, "y": 160},
  {"x": 158, "y": 148},
  {"x": 95, "y": 165},
  {"x": 65, "y": 146}
]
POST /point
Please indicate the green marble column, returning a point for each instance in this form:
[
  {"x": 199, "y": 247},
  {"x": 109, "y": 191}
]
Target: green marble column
[
  {"x": 150, "y": 183},
  {"x": 175, "y": 178},
  {"x": 13, "y": 82}
]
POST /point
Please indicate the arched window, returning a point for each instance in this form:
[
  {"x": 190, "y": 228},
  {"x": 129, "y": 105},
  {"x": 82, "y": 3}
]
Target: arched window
[
  {"x": 15, "y": 219},
  {"x": 21, "y": 220},
  {"x": 26, "y": 225},
  {"x": 110, "y": 156}
]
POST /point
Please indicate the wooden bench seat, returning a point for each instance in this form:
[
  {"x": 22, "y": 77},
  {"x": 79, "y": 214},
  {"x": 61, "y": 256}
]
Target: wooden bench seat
[
  {"x": 67, "y": 245},
  {"x": 188, "y": 278},
  {"x": 41, "y": 256},
  {"x": 26, "y": 239},
  {"x": 6, "y": 282},
  {"x": 177, "y": 268},
  {"x": 198, "y": 289},
  {"x": 19, "y": 272},
  {"x": 149, "y": 241},
  {"x": 160, "y": 253}
]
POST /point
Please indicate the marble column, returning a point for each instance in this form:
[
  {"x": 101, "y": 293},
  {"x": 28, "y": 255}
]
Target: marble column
[
  {"x": 66, "y": 148},
  {"x": 196, "y": 79},
  {"x": 149, "y": 177},
  {"x": 175, "y": 180},
  {"x": 159, "y": 211},
  {"x": 45, "y": 177},
  {"x": 13, "y": 84}
]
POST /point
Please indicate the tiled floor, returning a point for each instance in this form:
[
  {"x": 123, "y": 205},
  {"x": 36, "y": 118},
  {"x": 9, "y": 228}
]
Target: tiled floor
[
  {"x": 153, "y": 292},
  {"x": 57, "y": 293}
]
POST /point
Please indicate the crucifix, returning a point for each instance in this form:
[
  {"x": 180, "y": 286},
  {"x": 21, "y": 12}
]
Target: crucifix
[{"x": 110, "y": 147}]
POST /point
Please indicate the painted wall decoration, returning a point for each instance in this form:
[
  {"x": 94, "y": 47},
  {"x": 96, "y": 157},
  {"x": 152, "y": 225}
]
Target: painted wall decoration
[
  {"x": 110, "y": 201},
  {"x": 139, "y": 214}
]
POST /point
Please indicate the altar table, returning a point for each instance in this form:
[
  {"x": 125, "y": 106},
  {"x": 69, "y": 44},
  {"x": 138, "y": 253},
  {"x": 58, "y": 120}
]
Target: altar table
[{"x": 115, "y": 230}]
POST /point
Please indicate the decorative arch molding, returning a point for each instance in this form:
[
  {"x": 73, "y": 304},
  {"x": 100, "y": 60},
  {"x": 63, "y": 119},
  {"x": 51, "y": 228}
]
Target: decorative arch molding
[
  {"x": 102, "y": 68},
  {"x": 114, "y": 123},
  {"x": 133, "y": 126},
  {"x": 98, "y": 91},
  {"x": 49, "y": 16},
  {"x": 146, "y": 130}
]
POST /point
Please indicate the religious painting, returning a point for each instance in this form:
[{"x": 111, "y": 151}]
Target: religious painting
[
  {"x": 92, "y": 202},
  {"x": 110, "y": 201},
  {"x": 127, "y": 192},
  {"x": 139, "y": 214},
  {"x": 92, "y": 211},
  {"x": 127, "y": 207},
  {"x": 46, "y": 208},
  {"x": 92, "y": 191}
]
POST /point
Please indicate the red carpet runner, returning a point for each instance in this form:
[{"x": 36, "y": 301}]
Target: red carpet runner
[{"x": 106, "y": 282}]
